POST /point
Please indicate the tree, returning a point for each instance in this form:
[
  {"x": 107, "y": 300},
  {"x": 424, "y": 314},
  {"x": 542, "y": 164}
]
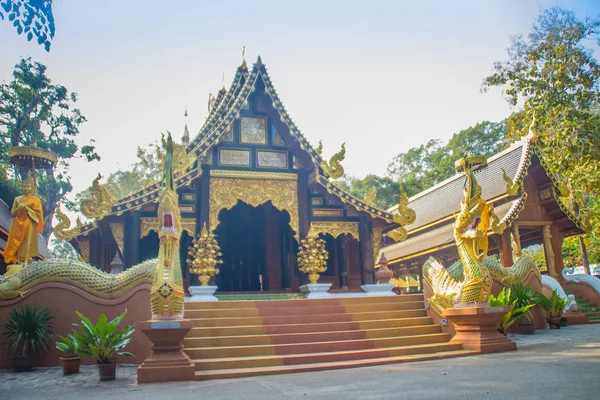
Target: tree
[
  {"x": 63, "y": 250},
  {"x": 33, "y": 111},
  {"x": 31, "y": 17},
  {"x": 536, "y": 253},
  {"x": 554, "y": 80},
  {"x": 388, "y": 190},
  {"x": 144, "y": 172},
  {"x": 571, "y": 251}
]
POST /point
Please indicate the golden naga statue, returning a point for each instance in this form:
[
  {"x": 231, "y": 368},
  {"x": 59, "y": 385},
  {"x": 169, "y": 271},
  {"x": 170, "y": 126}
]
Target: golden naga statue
[
  {"x": 27, "y": 223},
  {"x": 63, "y": 230},
  {"x": 469, "y": 280},
  {"x": 334, "y": 168},
  {"x": 512, "y": 188},
  {"x": 370, "y": 197},
  {"x": 405, "y": 216},
  {"x": 167, "y": 294},
  {"x": 182, "y": 161},
  {"x": 100, "y": 202}
]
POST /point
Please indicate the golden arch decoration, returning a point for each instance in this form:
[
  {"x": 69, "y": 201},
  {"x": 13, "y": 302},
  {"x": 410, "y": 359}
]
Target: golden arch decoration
[
  {"x": 335, "y": 229},
  {"x": 254, "y": 189}
]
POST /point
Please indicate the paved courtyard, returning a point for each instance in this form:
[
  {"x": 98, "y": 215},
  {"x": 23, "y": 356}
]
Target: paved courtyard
[{"x": 557, "y": 364}]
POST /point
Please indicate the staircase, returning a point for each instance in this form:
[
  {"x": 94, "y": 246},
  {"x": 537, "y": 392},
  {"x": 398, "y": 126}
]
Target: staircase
[
  {"x": 246, "y": 338},
  {"x": 590, "y": 310}
]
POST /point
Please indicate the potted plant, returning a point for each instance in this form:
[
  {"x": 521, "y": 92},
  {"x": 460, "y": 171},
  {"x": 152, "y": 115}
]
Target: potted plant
[
  {"x": 27, "y": 332},
  {"x": 524, "y": 297},
  {"x": 504, "y": 299},
  {"x": 553, "y": 307},
  {"x": 70, "y": 346},
  {"x": 102, "y": 341}
]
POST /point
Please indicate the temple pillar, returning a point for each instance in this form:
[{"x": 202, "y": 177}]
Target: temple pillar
[
  {"x": 549, "y": 251},
  {"x": 285, "y": 255},
  {"x": 303, "y": 204},
  {"x": 367, "y": 263},
  {"x": 341, "y": 257},
  {"x": 505, "y": 249},
  {"x": 557, "y": 241},
  {"x": 202, "y": 198}
]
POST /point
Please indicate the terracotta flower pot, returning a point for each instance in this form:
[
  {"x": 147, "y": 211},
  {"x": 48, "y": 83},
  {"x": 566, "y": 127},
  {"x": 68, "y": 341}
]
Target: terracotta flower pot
[
  {"x": 70, "y": 365},
  {"x": 554, "y": 323},
  {"x": 108, "y": 371},
  {"x": 527, "y": 327},
  {"x": 23, "y": 363}
]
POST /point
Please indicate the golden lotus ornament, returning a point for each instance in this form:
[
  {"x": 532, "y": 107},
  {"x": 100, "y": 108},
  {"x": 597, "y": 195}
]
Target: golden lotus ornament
[
  {"x": 312, "y": 257},
  {"x": 204, "y": 256}
]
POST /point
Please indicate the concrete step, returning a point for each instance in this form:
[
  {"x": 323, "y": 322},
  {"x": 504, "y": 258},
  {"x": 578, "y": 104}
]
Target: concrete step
[
  {"x": 313, "y": 347},
  {"x": 298, "y": 310},
  {"x": 310, "y": 337},
  {"x": 279, "y": 369},
  {"x": 322, "y": 357},
  {"x": 306, "y": 319},
  {"x": 219, "y": 305},
  {"x": 307, "y": 328}
]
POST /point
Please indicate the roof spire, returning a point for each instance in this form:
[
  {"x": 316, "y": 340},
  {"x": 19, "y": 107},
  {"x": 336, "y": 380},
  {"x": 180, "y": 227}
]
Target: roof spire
[
  {"x": 244, "y": 66},
  {"x": 258, "y": 61},
  {"x": 185, "y": 139}
]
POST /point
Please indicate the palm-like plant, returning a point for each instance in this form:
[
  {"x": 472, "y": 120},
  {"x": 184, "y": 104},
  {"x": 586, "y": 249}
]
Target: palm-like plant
[
  {"x": 28, "y": 330},
  {"x": 553, "y": 306},
  {"x": 504, "y": 299},
  {"x": 523, "y": 297},
  {"x": 102, "y": 341},
  {"x": 68, "y": 345}
]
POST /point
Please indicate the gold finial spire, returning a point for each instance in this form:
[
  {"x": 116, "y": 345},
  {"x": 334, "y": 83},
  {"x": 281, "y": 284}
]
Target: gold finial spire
[
  {"x": 185, "y": 139},
  {"x": 244, "y": 66}
]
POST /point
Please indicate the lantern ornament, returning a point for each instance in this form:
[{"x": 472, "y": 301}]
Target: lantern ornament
[
  {"x": 312, "y": 256},
  {"x": 204, "y": 256}
]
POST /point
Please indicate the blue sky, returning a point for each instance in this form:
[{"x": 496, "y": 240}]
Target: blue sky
[{"x": 382, "y": 76}]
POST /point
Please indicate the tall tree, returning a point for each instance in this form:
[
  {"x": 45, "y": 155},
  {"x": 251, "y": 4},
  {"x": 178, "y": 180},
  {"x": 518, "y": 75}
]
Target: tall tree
[
  {"x": 33, "y": 18},
  {"x": 388, "y": 190},
  {"x": 33, "y": 111},
  {"x": 554, "y": 81}
]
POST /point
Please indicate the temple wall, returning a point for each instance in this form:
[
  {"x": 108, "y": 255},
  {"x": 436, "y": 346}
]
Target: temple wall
[
  {"x": 64, "y": 299},
  {"x": 582, "y": 289}
]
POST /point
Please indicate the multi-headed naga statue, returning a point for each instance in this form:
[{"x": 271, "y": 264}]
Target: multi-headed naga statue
[{"x": 469, "y": 280}]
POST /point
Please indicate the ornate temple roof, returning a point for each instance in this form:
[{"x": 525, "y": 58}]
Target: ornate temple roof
[
  {"x": 225, "y": 109},
  {"x": 435, "y": 207}
]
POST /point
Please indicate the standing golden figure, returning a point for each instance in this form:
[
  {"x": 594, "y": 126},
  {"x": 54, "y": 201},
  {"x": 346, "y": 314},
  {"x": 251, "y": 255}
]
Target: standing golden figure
[{"x": 28, "y": 221}]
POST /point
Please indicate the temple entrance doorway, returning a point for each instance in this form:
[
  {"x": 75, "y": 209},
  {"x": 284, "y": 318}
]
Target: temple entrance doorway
[{"x": 255, "y": 243}]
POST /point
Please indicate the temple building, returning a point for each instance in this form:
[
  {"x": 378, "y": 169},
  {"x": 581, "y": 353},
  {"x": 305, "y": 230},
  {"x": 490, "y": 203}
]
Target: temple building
[
  {"x": 252, "y": 178},
  {"x": 524, "y": 196}
]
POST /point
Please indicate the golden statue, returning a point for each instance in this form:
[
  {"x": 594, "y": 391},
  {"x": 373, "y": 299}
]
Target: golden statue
[
  {"x": 167, "y": 293},
  {"x": 100, "y": 201},
  {"x": 28, "y": 221}
]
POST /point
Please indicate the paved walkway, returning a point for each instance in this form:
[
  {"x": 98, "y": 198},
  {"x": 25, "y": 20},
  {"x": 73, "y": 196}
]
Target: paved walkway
[{"x": 552, "y": 364}]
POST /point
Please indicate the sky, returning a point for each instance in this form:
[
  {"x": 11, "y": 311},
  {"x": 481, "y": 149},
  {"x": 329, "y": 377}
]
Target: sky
[{"x": 381, "y": 76}]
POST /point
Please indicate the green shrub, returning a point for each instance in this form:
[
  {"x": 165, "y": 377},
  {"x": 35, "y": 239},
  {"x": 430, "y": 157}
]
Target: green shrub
[
  {"x": 28, "y": 330},
  {"x": 504, "y": 299}
]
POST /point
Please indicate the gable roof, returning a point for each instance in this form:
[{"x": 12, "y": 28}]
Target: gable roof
[
  {"x": 444, "y": 199},
  {"x": 226, "y": 108}
]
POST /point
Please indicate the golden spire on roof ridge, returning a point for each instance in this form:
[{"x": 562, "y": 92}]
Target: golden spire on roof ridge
[
  {"x": 185, "y": 139},
  {"x": 244, "y": 66}
]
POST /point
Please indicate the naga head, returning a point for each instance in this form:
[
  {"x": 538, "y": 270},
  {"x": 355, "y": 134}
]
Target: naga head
[{"x": 473, "y": 220}]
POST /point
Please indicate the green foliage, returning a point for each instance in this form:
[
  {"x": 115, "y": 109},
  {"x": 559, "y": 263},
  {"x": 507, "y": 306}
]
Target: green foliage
[
  {"x": 505, "y": 299},
  {"x": 33, "y": 111},
  {"x": 556, "y": 80},
  {"x": 30, "y": 17},
  {"x": 63, "y": 250},
  {"x": 68, "y": 345},
  {"x": 102, "y": 341},
  {"x": 429, "y": 164},
  {"x": 388, "y": 190},
  {"x": 571, "y": 251},
  {"x": 554, "y": 305},
  {"x": 536, "y": 253},
  {"x": 143, "y": 173},
  {"x": 28, "y": 330},
  {"x": 522, "y": 297}
]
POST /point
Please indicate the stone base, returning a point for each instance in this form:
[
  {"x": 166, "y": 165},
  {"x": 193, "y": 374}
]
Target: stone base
[
  {"x": 383, "y": 289},
  {"x": 203, "y": 293},
  {"x": 168, "y": 362},
  {"x": 576, "y": 318},
  {"x": 316, "y": 290},
  {"x": 476, "y": 328}
]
